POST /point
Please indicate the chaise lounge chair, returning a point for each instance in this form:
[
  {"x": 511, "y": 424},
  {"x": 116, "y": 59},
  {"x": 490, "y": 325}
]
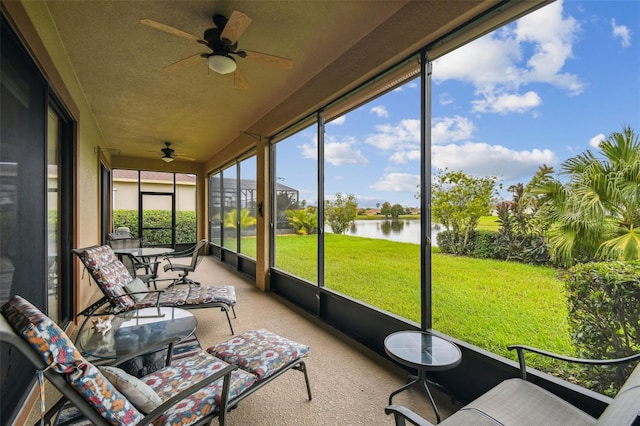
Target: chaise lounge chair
[
  {"x": 123, "y": 293},
  {"x": 191, "y": 391}
]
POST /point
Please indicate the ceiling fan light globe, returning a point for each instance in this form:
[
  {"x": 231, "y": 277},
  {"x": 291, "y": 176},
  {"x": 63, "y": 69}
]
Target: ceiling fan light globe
[
  {"x": 222, "y": 64},
  {"x": 167, "y": 159}
]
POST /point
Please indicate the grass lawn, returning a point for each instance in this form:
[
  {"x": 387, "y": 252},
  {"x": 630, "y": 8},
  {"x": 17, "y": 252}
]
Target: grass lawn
[
  {"x": 488, "y": 223},
  {"x": 488, "y": 303}
]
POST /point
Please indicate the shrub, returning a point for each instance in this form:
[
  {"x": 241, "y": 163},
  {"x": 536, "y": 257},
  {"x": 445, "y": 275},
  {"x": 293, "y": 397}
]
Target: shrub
[
  {"x": 483, "y": 243},
  {"x": 446, "y": 241},
  {"x": 304, "y": 221},
  {"x": 128, "y": 218},
  {"x": 185, "y": 225},
  {"x": 604, "y": 315},
  {"x": 480, "y": 244},
  {"x": 521, "y": 236},
  {"x": 524, "y": 249}
]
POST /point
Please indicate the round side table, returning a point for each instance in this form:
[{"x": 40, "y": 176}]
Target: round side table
[{"x": 424, "y": 352}]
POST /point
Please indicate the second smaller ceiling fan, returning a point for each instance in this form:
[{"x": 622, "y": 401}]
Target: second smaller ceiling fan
[{"x": 222, "y": 40}]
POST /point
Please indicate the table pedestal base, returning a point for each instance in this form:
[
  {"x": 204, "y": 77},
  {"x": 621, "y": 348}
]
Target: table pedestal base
[{"x": 421, "y": 381}]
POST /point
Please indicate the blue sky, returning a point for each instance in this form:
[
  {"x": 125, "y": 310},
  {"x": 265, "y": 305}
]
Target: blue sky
[{"x": 538, "y": 91}]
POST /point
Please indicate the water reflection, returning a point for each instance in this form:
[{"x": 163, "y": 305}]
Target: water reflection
[
  {"x": 392, "y": 226},
  {"x": 403, "y": 230}
]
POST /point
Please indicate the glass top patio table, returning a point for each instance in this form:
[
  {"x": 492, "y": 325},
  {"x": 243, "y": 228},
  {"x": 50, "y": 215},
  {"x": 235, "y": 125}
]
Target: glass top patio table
[
  {"x": 136, "y": 329},
  {"x": 424, "y": 352},
  {"x": 145, "y": 252}
]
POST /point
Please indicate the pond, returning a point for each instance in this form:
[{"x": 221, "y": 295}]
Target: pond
[{"x": 403, "y": 230}]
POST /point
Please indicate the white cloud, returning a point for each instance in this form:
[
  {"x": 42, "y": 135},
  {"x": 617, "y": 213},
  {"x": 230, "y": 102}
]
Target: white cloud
[
  {"x": 336, "y": 152},
  {"x": 498, "y": 64},
  {"x": 552, "y": 37},
  {"x": 380, "y": 111},
  {"x": 451, "y": 129},
  {"x": 338, "y": 121},
  {"x": 404, "y": 134},
  {"x": 481, "y": 159},
  {"x": 342, "y": 152},
  {"x": 403, "y": 139},
  {"x": 403, "y": 157},
  {"x": 446, "y": 99},
  {"x": 596, "y": 140},
  {"x": 506, "y": 103},
  {"x": 397, "y": 182},
  {"x": 623, "y": 32}
]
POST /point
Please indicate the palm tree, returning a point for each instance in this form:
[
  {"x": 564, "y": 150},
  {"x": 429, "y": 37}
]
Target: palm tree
[
  {"x": 596, "y": 214},
  {"x": 246, "y": 220},
  {"x": 304, "y": 221}
]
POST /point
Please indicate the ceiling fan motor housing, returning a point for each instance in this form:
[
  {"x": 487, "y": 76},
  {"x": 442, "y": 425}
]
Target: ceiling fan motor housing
[
  {"x": 167, "y": 151},
  {"x": 215, "y": 43}
]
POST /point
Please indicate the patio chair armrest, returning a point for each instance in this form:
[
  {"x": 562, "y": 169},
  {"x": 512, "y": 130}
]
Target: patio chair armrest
[
  {"x": 182, "y": 253},
  {"x": 167, "y": 343},
  {"x": 225, "y": 374},
  {"x": 91, "y": 309},
  {"x": 403, "y": 414},
  {"x": 521, "y": 349},
  {"x": 141, "y": 292}
]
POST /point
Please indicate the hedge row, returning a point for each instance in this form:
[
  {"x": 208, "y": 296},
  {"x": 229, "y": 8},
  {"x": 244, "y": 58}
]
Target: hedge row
[
  {"x": 494, "y": 245},
  {"x": 604, "y": 315},
  {"x": 186, "y": 225}
]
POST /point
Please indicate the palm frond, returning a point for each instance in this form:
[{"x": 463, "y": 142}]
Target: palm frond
[{"x": 624, "y": 247}]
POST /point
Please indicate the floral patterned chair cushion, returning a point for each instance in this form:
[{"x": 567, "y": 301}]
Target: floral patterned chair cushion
[
  {"x": 110, "y": 274},
  {"x": 59, "y": 352},
  {"x": 259, "y": 352},
  {"x": 188, "y": 371},
  {"x": 98, "y": 257}
]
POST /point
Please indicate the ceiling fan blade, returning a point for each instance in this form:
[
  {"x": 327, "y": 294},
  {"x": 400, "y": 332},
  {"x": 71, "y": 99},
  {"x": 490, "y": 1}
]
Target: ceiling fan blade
[
  {"x": 166, "y": 28},
  {"x": 239, "y": 80},
  {"x": 184, "y": 63},
  {"x": 236, "y": 25},
  {"x": 283, "y": 63}
]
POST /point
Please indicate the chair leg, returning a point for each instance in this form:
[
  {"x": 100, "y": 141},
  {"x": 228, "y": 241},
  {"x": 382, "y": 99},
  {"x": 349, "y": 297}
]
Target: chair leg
[
  {"x": 185, "y": 280},
  {"x": 303, "y": 367},
  {"x": 226, "y": 311},
  {"x": 192, "y": 282}
]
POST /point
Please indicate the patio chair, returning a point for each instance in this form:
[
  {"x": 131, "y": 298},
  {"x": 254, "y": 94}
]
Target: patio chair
[
  {"x": 195, "y": 254},
  {"x": 517, "y": 401},
  {"x": 145, "y": 271},
  {"x": 132, "y": 262},
  {"x": 123, "y": 293},
  {"x": 193, "y": 390}
]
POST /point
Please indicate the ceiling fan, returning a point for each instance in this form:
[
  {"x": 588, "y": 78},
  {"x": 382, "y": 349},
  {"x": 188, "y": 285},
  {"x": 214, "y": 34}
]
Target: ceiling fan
[
  {"x": 169, "y": 154},
  {"x": 222, "y": 40}
]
